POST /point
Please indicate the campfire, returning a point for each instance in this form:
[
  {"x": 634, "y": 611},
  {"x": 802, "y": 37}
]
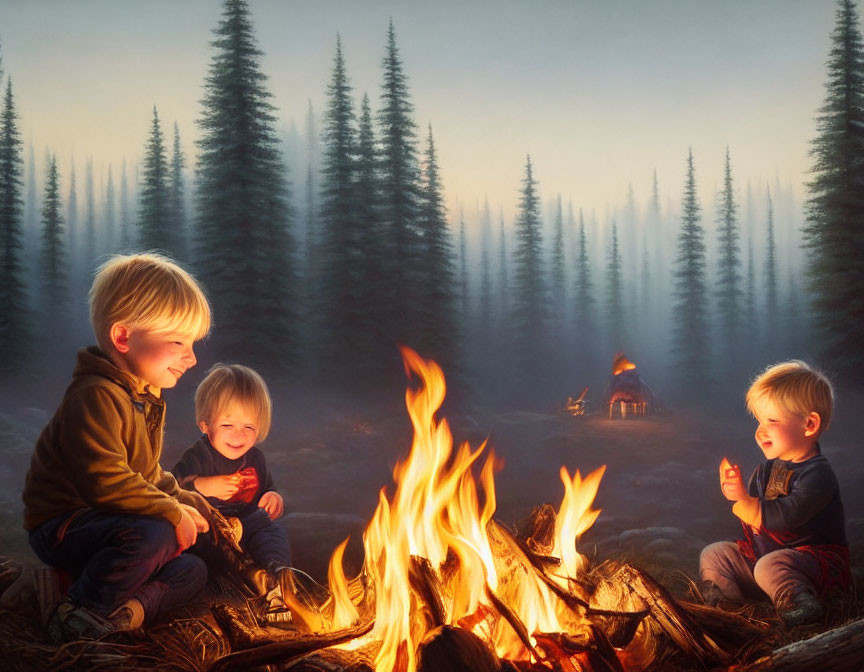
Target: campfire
[
  {"x": 442, "y": 581},
  {"x": 626, "y": 392}
]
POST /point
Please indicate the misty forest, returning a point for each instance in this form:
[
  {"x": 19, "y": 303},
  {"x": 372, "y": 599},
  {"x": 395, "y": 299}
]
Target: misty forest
[{"x": 326, "y": 244}]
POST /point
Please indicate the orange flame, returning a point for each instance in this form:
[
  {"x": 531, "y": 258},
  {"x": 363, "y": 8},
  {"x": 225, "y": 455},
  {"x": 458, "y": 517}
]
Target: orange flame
[
  {"x": 621, "y": 364},
  {"x": 436, "y": 514}
]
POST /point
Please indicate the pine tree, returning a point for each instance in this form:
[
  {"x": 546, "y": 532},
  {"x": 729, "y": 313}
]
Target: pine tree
[
  {"x": 399, "y": 193},
  {"x": 690, "y": 319},
  {"x": 31, "y": 208},
  {"x": 14, "y": 324},
  {"x": 176, "y": 205},
  {"x": 772, "y": 303},
  {"x": 438, "y": 334},
  {"x": 503, "y": 274},
  {"x": 529, "y": 292},
  {"x": 372, "y": 239},
  {"x": 583, "y": 294},
  {"x": 341, "y": 308},
  {"x": 729, "y": 293},
  {"x": 834, "y": 232},
  {"x": 110, "y": 219},
  {"x": 125, "y": 220},
  {"x": 242, "y": 202},
  {"x": 558, "y": 278},
  {"x": 53, "y": 256},
  {"x": 155, "y": 228},
  {"x": 464, "y": 290},
  {"x": 72, "y": 215},
  {"x": 311, "y": 214},
  {"x": 89, "y": 252},
  {"x": 614, "y": 293},
  {"x": 485, "y": 308}
]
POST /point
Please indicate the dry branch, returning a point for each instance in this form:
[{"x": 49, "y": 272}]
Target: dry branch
[{"x": 838, "y": 650}]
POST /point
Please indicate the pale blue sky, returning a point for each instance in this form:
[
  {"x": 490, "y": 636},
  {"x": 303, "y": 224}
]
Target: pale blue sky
[{"x": 599, "y": 93}]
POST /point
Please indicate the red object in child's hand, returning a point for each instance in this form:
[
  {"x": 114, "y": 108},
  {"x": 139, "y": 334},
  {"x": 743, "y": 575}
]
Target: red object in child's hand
[{"x": 248, "y": 485}]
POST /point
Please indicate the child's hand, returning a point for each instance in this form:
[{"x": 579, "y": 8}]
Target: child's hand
[
  {"x": 201, "y": 523},
  {"x": 220, "y": 487},
  {"x": 731, "y": 482},
  {"x": 186, "y": 530},
  {"x": 272, "y": 503}
]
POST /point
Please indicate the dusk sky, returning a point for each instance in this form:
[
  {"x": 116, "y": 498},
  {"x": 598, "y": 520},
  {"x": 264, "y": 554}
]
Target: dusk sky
[{"x": 599, "y": 93}]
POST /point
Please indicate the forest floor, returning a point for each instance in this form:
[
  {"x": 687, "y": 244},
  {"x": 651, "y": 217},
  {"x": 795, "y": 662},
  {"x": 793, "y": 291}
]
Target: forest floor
[{"x": 660, "y": 500}]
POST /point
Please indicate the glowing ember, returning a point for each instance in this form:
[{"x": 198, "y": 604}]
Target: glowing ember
[{"x": 436, "y": 514}]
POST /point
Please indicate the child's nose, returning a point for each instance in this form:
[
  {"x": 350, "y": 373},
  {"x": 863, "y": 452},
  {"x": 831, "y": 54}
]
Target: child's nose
[{"x": 190, "y": 357}]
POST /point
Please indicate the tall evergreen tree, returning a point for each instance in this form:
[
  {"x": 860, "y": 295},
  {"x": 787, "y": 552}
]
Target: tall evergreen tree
[
  {"x": 503, "y": 273},
  {"x": 583, "y": 293},
  {"x": 729, "y": 293},
  {"x": 31, "y": 205},
  {"x": 243, "y": 202},
  {"x": 558, "y": 275},
  {"x": 176, "y": 205},
  {"x": 834, "y": 232},
  {"x": 311, "y": 213},
  {"x": 372, "y": 239},
  {"x": 155, "y": 230},
  {"x": 72, "y": 215},
  {"x": 438, "y": 335},
  {"x": 341, "y": 308},
  {"x": 485, "y": 308},
  {"x": 110, "y": 244},
  {"x": 125, "y": 219},
  {"x": 464, "y": 290},
  {"x": 614, "y": 293},
  {"x": 53, "y": 258},
  {"x": 690, "y": 316},
  {"x": 772, "y": 302},
  {"x": 529, "y": 290},
  {"x": 399, "y": 192},
  {"x": 14, "y": 324},
  {"x": 88, "y": 243}
]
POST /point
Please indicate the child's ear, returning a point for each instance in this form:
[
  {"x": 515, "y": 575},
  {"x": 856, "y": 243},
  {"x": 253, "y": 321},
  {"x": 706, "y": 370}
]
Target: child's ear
[
  {"x": 119, "y": 335},
  {"x": 812, "y": 423},
  {"x": 203, "y": 427}
]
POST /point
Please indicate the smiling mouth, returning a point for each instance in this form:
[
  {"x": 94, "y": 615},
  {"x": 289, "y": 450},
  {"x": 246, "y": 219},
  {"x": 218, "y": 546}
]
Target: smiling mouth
[{"x": 176, "y": 372}]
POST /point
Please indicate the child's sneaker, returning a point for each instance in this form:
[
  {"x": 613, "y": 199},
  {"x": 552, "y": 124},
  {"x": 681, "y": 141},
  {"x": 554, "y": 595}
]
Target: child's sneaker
[
  {"x": 71, "y": 623},
  {"x": 802, "y": 608}
]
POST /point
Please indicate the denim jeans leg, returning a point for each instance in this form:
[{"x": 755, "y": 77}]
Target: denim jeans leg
[
  {"x": 176, "y": 584},
  {"x": 111, "y": 555},
  {"x": 265, "y": 540},
  {"x": 788, "y": 571},
  {"x": 723, "y": 563}
]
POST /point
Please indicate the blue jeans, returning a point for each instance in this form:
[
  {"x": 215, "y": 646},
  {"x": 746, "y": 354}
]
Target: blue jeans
[
  {"x": 114, "y": 557},
  {"x": 265, "y": 540}
]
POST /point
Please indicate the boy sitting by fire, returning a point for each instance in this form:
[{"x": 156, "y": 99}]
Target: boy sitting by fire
[
  {"x": 794, "y": 540},
  {"x": 97, "y": 504},
  {"x": 233, "y": 411}
]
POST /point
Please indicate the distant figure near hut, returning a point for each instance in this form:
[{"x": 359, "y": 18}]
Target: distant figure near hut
[{"x": 626, "y": 392}]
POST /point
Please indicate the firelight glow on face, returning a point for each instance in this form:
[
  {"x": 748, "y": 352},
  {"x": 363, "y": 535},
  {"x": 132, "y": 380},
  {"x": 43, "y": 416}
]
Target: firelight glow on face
[{"x": 234, "y": 431}]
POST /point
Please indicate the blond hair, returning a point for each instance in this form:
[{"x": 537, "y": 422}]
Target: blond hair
[
  {"x": 146, "y": 291},
  {"x": 795, "y": 387},
  {"x": 233, "y": 383}
]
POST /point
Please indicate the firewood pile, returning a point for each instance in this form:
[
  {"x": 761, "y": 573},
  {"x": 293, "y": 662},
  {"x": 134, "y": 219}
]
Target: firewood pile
[{"x": 627, "y": 622}]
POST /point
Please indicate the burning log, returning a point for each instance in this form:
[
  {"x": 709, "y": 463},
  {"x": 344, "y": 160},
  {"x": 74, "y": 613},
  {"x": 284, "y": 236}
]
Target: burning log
[{"x": 452, "y": 649}]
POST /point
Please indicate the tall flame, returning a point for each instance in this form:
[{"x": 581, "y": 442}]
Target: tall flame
[{"x": 436, "y": 514}]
